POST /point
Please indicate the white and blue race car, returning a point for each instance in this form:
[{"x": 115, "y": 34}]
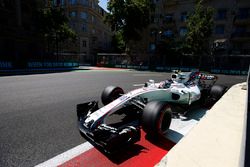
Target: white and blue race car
[{"x": 149, "y": 107}]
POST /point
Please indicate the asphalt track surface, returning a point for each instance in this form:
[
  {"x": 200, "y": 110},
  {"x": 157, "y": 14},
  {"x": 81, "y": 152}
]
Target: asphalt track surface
[{"x": 37, "y": 112}]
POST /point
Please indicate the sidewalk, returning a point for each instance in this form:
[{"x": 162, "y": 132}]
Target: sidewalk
[{"x": 217, "y": 140}]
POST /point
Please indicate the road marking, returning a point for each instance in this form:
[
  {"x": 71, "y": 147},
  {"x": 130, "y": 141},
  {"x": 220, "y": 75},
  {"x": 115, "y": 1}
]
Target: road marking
[{"x": 66, "y": 156}]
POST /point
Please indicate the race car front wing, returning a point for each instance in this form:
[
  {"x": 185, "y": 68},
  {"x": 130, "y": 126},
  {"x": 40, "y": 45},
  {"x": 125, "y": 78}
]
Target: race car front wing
[{"x": 110, "y": 139}]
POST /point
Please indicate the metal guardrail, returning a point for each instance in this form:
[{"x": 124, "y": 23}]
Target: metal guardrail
[{"x": 246, "y": 156}]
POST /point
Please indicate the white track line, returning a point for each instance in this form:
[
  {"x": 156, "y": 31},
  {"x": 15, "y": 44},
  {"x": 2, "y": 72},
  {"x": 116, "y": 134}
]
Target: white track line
[{"x": 66, "y": 156}]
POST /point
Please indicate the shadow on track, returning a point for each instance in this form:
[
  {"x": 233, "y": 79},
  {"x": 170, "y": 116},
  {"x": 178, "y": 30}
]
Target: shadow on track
[{"x": 34, "y": 72}]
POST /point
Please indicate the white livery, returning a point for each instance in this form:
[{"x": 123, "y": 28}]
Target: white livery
[{"x": 148, "y": 107}]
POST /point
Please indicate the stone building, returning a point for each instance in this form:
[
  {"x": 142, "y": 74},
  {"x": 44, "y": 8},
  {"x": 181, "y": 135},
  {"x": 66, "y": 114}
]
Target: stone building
[
  {"x": 93, "y": 35},
  {"x": 19, "y": 41},
  {"x": 230, "y": 40}
]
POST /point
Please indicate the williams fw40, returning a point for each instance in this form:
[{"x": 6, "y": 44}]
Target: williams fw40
[{"x": 150, "y": 107}]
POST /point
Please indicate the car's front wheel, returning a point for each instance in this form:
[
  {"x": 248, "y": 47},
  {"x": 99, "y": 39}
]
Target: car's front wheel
[
  {"x": 156, "y": 118},
  {"x": 111, "y": 93}
]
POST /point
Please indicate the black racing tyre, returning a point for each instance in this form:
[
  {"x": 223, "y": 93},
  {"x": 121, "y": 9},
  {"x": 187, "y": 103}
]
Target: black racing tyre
[
  {"x": 217, "y": 91},
  {"x": 111, "y": 93},
  {"x": 156, "y": 118}
]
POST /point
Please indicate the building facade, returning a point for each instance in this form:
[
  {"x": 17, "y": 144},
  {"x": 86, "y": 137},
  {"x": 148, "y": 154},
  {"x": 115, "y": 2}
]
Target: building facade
[
  {"x": 18, "y": 38},
  {"x": 86, "y": 18},
  {"x": 230, "y": 40}
]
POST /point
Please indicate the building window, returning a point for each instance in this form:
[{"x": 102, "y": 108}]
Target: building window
[
  {"x": 72, "y": 14},
  {"x": 55, "y": 3},
  {"x": 58, "y": 2},
  {"x": 84, "y": 15},
  {"x": 84, "y": 28},
  {"x": 183, "y": 31},
  {"x": 72, "y": 2},
  {"x": 168, "y": 18},
  {"x": 168, "y": 33},
  {"x": 93, "y": 5},
  {"x": 84, "y": 2},
  {"x": 221, "y": 14},
  {"x": 152, "y": 47},
  {"x": 219, "y": 29},
  {"x": 243, "y": 13},
  {"x": 93, "y": 31},
  {"x": 84, "y": 43},
  {"x": 101, "y": 11},
  {"x": 183, "y": 16}
]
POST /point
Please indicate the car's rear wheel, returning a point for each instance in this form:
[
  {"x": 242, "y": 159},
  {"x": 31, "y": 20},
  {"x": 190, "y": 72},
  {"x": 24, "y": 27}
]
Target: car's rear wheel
[
  {"x": 215, "y": 93},
  {"x": 111, "y": 93},
  {"x": 156, "y": 118}
]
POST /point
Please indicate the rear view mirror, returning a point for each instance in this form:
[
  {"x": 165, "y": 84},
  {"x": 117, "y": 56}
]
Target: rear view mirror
[{"x": 174, "y": 76}]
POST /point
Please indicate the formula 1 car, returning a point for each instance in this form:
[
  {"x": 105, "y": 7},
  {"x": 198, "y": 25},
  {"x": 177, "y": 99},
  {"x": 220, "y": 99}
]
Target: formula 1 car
[{"x": 149, "y": 107}]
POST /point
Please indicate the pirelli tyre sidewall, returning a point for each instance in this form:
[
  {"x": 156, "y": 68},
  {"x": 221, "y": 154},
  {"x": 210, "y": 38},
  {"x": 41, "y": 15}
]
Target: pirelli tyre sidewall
[
  {"x": 111, "y": 93},
  {"x": 156, "y": 118}
]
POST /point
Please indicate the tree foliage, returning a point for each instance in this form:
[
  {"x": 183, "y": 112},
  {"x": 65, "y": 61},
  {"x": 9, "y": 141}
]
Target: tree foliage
[
  {"x": 118, "y": 42},
  {"x": 53, "y": 25},
  {"x": 129, "y": 17},
  {"x": 199, "y": 29}
]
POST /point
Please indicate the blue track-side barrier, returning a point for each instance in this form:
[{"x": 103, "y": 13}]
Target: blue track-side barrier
[
  {"x": 232, "y": 72},
  {"x": 52, "y": 64},
  {"x": 5, "y": 65},
  {"x": 131, "y": 67},
  {"x": 212, "y": 70}
]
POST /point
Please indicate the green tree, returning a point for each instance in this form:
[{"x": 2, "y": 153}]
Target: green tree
[
  {"x": 199, "y": 30},
  {"x": 118, "y": 43},
  {"x": 129, "y": 17},
  {"x": 53, "y": 25}
]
